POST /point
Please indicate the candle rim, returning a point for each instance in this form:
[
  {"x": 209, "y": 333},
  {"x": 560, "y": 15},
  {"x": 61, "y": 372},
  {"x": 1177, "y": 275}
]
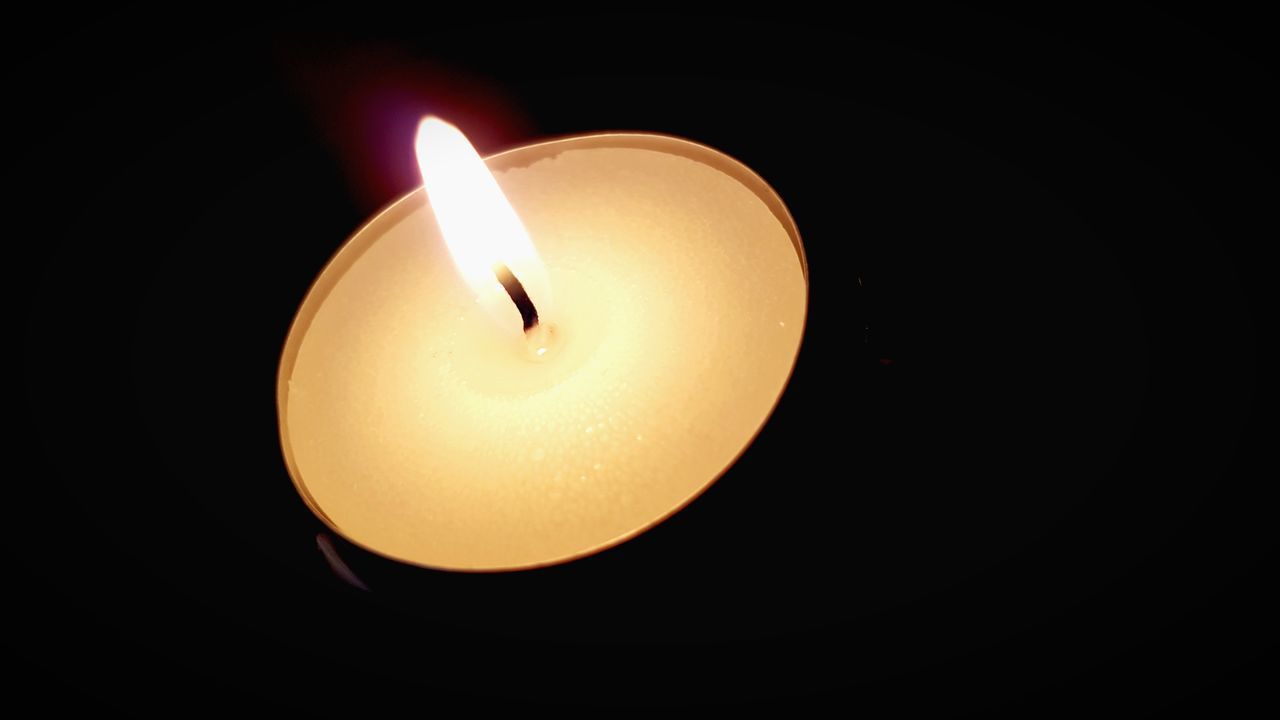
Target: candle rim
[{"x": 347, "y": 254}]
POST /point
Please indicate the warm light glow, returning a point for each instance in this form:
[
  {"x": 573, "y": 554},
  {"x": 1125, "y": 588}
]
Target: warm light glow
[
  {"x": 479, "y": 225},
  {"x": 428, "y": 435}
]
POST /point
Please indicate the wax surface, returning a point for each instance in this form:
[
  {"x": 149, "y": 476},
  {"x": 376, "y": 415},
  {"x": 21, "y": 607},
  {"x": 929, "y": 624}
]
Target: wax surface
[{"x": 421, "y": 429}]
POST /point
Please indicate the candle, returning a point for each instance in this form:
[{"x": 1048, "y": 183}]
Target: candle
[{"x": 425, "y": 418}]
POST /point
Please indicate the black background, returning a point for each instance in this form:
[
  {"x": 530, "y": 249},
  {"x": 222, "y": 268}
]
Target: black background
[{"x": 1015, "y": 470}]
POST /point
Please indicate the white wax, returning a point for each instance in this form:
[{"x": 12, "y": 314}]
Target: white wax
[{"x": 418, "y": 428}]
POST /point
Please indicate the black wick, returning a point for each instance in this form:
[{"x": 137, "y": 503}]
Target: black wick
[{"x": 518, "y": 295}]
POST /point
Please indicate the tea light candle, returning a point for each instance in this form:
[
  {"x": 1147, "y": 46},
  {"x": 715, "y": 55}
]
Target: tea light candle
[{"x": 424, "y": 417}]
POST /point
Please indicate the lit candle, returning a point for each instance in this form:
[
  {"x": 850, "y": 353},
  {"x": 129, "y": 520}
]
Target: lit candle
[{"x": 541, "y": 354}]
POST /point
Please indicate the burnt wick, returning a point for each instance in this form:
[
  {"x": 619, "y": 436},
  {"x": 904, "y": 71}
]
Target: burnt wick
[{"x": 512, "y": 285}]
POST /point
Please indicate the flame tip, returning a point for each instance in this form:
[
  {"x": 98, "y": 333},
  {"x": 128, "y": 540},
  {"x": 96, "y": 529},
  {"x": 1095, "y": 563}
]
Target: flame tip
[{"x": 429, "y": 121}]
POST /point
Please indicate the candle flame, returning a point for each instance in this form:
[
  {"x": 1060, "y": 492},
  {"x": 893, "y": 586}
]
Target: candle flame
[{"x": 479, "y": 225}]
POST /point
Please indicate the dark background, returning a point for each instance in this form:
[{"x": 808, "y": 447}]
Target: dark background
[{"x": 1016, "y": 469}]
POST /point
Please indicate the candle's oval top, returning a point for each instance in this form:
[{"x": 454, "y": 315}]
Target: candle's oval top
[{"x": 413, "y": 429}]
